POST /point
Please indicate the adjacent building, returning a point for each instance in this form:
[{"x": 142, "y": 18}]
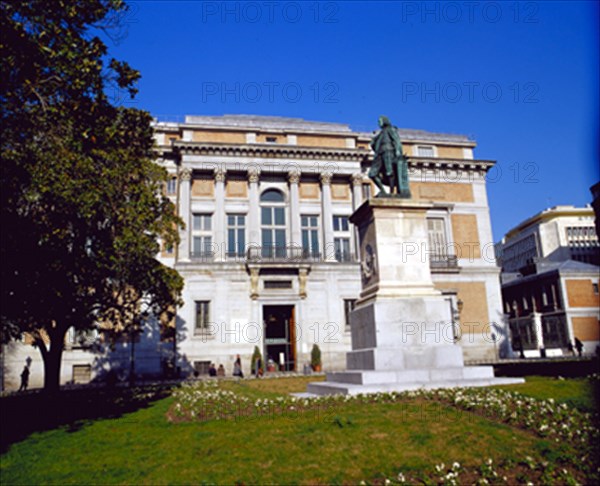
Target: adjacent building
[
  {"x": 556, "y": 234},
  {"x": 550, "y": 279},
  {"x": 595, "y": 190},
  {"x": 269, "y": 256}
]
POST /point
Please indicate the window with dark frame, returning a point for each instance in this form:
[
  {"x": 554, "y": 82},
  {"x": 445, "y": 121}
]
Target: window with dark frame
[
  {"x": 349, "y": 305},
  {"x": 278, "y": 284},
  {"x": 236, "y": 235},
  {"x": 202, "y": 316},
  {"x": 82, "y": 373},
  {"x": 202, "y": 235},
  {"x": 310, "y": 235},
  {"x": 201, "y": 367},
  {"x": 341, "y": 238},
  {"x": 273, "y": 224}
]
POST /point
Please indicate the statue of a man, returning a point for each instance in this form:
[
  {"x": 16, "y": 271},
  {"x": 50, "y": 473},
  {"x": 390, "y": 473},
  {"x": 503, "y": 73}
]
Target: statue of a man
[{"x": 389, "y": 165}]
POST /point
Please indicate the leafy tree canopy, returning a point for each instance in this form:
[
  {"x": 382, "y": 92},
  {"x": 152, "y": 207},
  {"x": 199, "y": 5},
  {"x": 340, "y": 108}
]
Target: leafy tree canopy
[{"x": 81, "y": 202}]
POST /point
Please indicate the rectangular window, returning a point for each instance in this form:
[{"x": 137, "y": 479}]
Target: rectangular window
[
  {"x": 172, "y": 186},
  {"x": 340, "y": 223},
  {"x": 310, "y": 236},
  {"x": 236, "y": 235},
  {"x": 595, "y": 287},
  {"x": 342, "y": 249},
  {"x": 273, "y": 232},
  {"x": 341, "y": 238},
  {"x": 201, "y": 367},
  {"x": 202, "y": 316},
  {"x": 202, "y": 222},
  {"x": 349, "y": 305},
  {"x": 425, "y": 151},
  {"x": 278, "y": 284},
  {"x": 202, "y": 236},
  {"x": 271, "y": 139},
  {"x": 82, "y": 373},
  {"x": 81, "y": 339},
  {"x": 438, "y": 244}
]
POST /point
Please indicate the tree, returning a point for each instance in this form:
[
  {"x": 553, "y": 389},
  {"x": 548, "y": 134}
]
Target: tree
[{"x": 82, "y": 207}]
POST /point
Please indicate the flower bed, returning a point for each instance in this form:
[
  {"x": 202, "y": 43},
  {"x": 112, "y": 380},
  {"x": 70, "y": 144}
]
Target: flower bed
[{"x": 574, "y": 431}]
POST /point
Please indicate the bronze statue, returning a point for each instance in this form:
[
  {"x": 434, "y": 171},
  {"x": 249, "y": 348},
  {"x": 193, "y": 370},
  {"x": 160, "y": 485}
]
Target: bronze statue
[{"x": 389, "y": 165}]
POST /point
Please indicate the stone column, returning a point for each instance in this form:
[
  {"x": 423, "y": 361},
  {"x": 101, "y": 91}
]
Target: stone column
[
  {"x": 536, "y": 317},
  {"x": 185, "y": 182},
  {"x": 219, "y": 225},
  {"x": 357, "y": 200},
  {"x": 327, "y": 217},
  {"x": 254, "y": 212},
  {"x": 295, "y": 230}
]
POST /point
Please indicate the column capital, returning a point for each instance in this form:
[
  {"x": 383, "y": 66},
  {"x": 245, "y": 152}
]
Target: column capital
[
  {"x": 253, "y": 174},
  {"x": 220, "y": 174},
  {"x": 294, "y": 176},
  {"x": 357, "y": 179},
  {"x": 185, "y": 174},
  {"x": 326, "y": 178}
]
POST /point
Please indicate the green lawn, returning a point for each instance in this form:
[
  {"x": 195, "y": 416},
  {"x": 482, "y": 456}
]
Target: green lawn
[
  {"x": 341, "y": 442},
  {"x": 580, "y": 393}
]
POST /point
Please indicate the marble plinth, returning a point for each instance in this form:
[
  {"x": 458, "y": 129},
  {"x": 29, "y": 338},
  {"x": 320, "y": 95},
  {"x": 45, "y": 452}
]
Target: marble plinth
[{"x": 403, "y": 328}]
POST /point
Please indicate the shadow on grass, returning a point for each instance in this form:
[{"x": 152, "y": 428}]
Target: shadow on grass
[{"x": 23, "y": 414}]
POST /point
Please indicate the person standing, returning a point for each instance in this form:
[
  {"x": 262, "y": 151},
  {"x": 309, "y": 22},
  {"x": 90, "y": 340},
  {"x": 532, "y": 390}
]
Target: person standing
[
  {"x": 24, "y": 379},
  {"x": 579, "y": 346},
  {"x": 237, "y": 367},
  {"x": 212, "y": 371},
  {"x": 258, "y": 367}
]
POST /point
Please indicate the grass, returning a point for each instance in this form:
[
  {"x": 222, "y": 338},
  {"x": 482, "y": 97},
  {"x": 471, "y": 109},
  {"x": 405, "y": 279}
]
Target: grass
[
  {"x": 343, "y": 444},
  {"x": 579, "y": 393}
]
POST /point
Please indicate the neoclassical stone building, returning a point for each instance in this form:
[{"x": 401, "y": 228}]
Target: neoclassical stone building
[{"x": 269, "y": 256}]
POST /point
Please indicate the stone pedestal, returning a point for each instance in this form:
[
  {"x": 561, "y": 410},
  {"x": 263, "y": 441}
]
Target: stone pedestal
[{"x": 402, "y": 327}]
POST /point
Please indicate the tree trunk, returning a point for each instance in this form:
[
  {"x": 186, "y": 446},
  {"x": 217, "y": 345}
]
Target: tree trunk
[{"x": 52, "y": 361}]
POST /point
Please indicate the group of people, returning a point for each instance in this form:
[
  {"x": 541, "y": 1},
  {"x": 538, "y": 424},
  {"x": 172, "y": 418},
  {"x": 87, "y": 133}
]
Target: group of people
[
  {"x": 220, "y": 371},
  {"x": 578, "y": 347},
  {"x": 570, "y": 347},
  {"x": 258, "y": 371}
]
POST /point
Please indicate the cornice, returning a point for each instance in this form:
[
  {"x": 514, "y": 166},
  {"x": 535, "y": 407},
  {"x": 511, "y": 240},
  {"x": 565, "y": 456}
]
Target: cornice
[
  {"x": 319, "y": 153},
  {"x": 433, "y": 163},
  {"x": 268, "y": 151}
]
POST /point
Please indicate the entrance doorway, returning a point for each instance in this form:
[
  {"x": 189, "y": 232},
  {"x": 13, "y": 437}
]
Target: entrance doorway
[{"x": 280, "y": 337}]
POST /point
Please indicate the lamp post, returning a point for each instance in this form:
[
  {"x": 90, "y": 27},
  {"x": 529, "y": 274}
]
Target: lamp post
[{"x": 459, "y": 308}]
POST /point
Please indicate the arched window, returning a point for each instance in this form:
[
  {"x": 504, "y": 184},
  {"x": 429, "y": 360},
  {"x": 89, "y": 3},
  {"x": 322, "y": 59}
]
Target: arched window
[
  {"x": 272, "y": 195},
  {"x": 272, "y": 222}
]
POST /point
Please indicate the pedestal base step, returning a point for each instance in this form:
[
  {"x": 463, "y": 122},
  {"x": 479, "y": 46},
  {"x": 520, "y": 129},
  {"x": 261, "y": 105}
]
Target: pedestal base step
[
  {"x": 355, "y": 382},
  {"x": 418, "y": 375}
]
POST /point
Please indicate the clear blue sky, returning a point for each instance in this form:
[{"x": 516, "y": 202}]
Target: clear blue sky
[{"x": 519, "y": 77}]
